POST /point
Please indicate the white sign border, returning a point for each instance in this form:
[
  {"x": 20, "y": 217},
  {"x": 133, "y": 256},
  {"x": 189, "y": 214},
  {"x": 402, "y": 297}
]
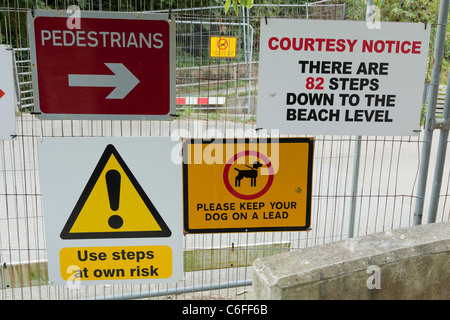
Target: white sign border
[
  {"x": 268, "y": 95},
  {"x": 66, "y": 165},
  {"x": 8, "y": 101},
  {"x": 101, "y": 15}
]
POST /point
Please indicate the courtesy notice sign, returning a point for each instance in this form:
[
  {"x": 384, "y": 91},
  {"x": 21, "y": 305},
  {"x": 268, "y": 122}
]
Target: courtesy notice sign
[{"x": 340, "y": 77}]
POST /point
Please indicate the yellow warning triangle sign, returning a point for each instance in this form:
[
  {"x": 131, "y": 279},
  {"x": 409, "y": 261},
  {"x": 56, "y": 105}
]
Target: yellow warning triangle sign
[{"x": 114, "y": 205}]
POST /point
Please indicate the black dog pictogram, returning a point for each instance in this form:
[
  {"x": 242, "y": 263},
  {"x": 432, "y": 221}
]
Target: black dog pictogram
[{"x": 252, "y": 174}]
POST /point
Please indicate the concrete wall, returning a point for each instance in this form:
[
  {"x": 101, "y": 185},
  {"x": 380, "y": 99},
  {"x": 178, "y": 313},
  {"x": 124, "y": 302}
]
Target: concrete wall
[{"x": 406, "y": 263}]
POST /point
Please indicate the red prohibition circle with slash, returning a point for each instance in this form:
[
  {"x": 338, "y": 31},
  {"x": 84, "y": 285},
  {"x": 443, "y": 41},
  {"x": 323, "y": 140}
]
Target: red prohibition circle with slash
[{"x": 243, "y": 154}]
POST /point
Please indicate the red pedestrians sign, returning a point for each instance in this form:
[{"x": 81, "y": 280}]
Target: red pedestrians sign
[{"x": 104, "y": 66}]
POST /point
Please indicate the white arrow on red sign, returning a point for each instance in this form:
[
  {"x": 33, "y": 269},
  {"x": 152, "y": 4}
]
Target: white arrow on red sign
[{"x": 123, "y": 80}]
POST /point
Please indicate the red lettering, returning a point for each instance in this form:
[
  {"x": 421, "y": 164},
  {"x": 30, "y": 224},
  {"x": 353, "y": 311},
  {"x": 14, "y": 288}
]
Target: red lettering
[
  {"x": 367, "y": 46},
  {"x": 379, "y": 46},
  {"x": 351, "y": 44},
  {"x": 391, "y": 46},
  {"x": 390, "y": 43},
  {"x": 397, "y": 47},
  {"x": 403, "y": 47},
  {"x": 320, "y": 41},
  {"x": 271, "y": 46},
  {"x": 312, "y": 44},
  {"x": 330, "y": 45},
  {"x": 340, "y": 45},
  {"x": 416, "y": 47},
  {"x": 295, "y": 46},
  {"x": 285, "y": 44},
  {"x": 309, "y": 43}
]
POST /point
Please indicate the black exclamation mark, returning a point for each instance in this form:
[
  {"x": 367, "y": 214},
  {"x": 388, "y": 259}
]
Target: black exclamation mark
[{"x": 113, "y": 185}]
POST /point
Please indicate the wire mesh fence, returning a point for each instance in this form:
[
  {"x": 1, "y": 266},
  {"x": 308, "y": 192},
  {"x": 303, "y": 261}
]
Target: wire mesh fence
[{"x": 216, "y": 266}]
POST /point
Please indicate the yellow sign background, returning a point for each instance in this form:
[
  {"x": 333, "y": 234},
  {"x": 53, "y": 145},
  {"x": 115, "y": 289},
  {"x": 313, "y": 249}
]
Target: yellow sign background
[
  {"x": 218, "y": 198},
  {"x": 223, "y": 47},
  {"x": 115, "y": 263}
]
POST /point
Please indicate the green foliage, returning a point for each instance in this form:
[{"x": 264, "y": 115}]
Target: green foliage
[
  {"x": 236, "y": 3},
  {"x": 411, "y": 11},
  {"x": 395, "y": 10}
]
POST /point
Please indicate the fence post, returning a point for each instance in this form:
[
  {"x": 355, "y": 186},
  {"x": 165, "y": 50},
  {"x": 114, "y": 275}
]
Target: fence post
[
  {"x": 443, "y": 125},
  {"x": 431, "y": 111},
  {"x": 357, "y": 152},
  {"x": 356, "y": 163}
]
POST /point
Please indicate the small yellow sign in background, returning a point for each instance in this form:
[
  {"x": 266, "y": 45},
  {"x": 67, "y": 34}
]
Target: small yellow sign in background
[{"x": 223, "y": 47}]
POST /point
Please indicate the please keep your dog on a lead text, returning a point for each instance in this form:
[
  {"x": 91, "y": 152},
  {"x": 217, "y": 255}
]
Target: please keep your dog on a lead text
[{"x": 248, "y": 210}]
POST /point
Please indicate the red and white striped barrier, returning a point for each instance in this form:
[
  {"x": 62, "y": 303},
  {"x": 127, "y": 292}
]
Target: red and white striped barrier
[{"x": 200, "y": 100}]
